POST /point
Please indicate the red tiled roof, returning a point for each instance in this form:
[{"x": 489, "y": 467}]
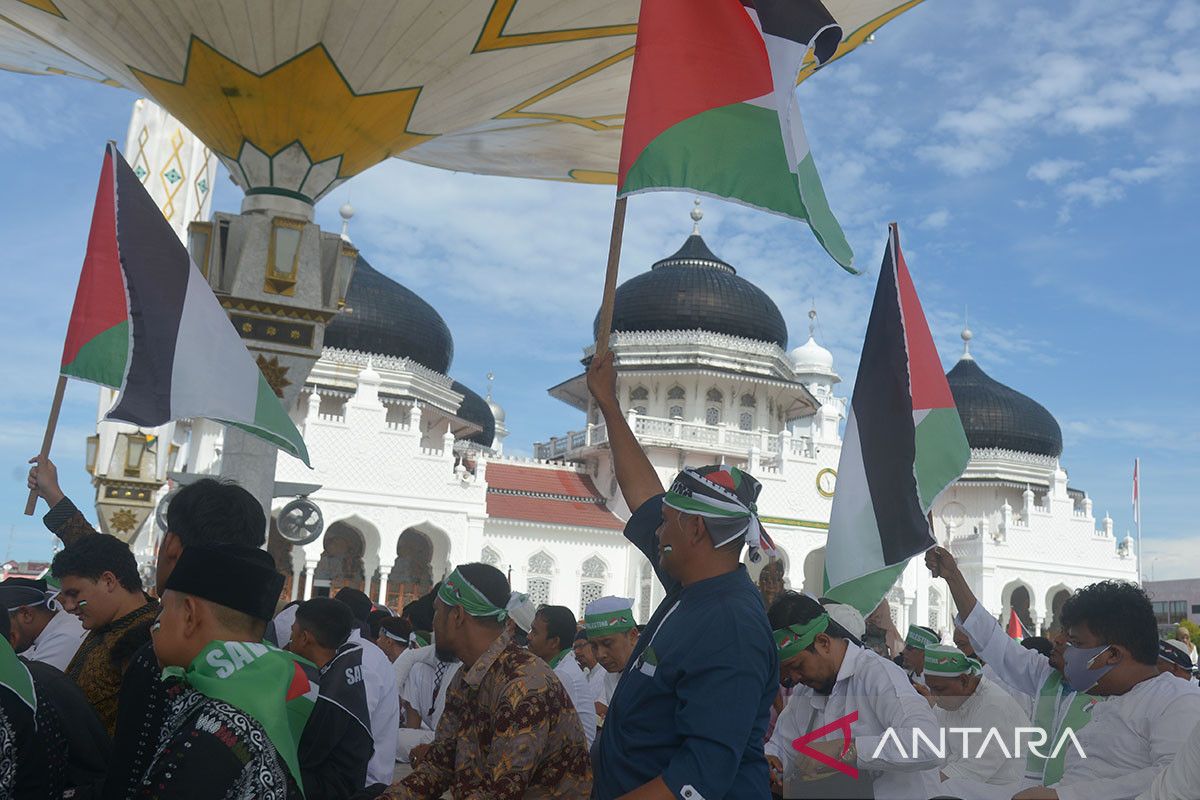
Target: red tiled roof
[
  {"x": 560, "y": 497},
  {"x": 541, "y": 481}
]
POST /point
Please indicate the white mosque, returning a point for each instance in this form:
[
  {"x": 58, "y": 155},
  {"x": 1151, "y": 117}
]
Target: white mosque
[{"x": 414, "y": 479}]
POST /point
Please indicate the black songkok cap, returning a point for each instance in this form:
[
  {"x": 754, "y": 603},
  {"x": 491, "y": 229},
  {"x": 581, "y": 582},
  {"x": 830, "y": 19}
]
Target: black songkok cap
[
  {"x": 18, "y": 592},
  {"x": 232, "y": 575}
]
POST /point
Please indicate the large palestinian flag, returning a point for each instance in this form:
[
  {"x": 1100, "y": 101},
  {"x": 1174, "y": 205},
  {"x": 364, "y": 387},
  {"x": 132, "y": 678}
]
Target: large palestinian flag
[
  {"x": 904, "y": 443},
  {"x": 712, "y": 106},
  {"x": 146, "y": 323}
]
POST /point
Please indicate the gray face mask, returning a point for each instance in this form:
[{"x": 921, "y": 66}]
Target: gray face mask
[{"x": 1077, "y": 666}]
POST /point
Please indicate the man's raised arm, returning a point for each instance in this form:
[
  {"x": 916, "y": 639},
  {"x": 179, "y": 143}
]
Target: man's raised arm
[
  {"x": 63, "y": 519},
  {"x": 635, "y": 474}
]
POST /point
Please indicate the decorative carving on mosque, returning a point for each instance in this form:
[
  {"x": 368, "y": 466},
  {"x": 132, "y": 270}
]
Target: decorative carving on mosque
[{"x": 770, "y": 581}]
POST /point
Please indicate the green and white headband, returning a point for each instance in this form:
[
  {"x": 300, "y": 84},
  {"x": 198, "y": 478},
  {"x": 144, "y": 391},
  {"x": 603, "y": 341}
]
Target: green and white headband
[
  {"x": 608, "y": 615},
  {"x": 948, "y": 662},
  {"x": 794, "y": 638},
  {"x": 921, "y": 638},
  {"x": 456, "y": 590},
  {"x": 725, "y": 497}
]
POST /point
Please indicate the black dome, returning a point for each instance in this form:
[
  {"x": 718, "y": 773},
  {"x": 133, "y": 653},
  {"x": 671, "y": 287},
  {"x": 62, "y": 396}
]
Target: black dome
[
  {"x": 695, "y": 290},
  {"x": 385, "y": 318},
  {"x": 475, "y": 409},
  {"x": 994, "y": 415}
]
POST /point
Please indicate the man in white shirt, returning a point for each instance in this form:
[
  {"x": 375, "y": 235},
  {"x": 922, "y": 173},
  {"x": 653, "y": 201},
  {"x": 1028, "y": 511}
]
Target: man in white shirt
[
  {"x": 550, "y": 639},
  {"x": 1184, "y": 635},
  {"x": 585, "y": 655},
  {"x": 963, "y": 643},
  {"x": 835, "y": 678},
  {"x": 424, "y": 699},
  {"x": 969, "y": 708},
  {"x": 40, "y": 632},
  {"x": 612, "y": 631},
  {"x": 1132, "y": 720}
]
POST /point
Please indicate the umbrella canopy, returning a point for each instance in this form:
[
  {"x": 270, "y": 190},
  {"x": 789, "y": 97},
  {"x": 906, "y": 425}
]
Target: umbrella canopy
[{"x": 295, "y": 98}]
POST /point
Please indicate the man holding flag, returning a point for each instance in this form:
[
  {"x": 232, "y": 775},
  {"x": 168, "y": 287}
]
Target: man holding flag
[{"x": 688, "y": 717}]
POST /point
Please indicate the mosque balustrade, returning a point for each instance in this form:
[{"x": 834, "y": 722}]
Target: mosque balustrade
[{"x": 660, "y": 431}]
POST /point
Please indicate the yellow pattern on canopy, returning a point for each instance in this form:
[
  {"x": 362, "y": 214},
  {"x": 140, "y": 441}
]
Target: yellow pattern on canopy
[{"x": 296, "y": 98}]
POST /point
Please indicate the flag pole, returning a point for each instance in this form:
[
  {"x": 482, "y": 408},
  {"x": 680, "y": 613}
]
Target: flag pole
[
  {"x": 610, "y": 277},
  {"x": 1137, "y": 512},
  {"x": 48, "y": 438}
]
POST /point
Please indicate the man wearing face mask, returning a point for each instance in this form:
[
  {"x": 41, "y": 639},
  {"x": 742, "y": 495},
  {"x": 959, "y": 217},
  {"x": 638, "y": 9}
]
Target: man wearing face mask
[
  {"x": 834, "y": 676},
  {"x": 688, "y": 718},
  {"x": 1132, "y": 720}
]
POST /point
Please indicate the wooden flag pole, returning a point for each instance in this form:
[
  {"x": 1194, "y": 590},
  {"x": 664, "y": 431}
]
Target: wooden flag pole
[
  {"x": 610, "y": 277},
  {"x": 48, "y": 438}
]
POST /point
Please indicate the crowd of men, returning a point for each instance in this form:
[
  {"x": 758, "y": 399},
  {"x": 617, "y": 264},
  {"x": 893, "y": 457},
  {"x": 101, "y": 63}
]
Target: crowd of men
[{"x": 207, "y": 689}]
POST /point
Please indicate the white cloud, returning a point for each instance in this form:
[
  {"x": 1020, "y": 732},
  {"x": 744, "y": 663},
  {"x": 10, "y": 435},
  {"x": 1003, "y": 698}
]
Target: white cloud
[
  {"x": 1052, "y": 170},
  {"x": 936, "y": 220}
]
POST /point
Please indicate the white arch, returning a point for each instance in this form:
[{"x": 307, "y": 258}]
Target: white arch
[{"x": 440, "y": 559}]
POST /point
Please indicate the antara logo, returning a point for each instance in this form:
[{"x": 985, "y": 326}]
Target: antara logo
[{"x": 843, "y": 724}]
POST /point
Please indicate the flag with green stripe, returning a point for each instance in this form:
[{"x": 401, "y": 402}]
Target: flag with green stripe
[
  {"x": 904, "y": 443},
  {"x": 712, "y": 102}
]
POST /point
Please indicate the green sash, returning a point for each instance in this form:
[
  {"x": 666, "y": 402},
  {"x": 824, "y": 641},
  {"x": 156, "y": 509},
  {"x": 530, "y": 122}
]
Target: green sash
[
  {"x": 15, "y": 676},
  {"x": 1078, "y": 714},
  {"x": 261, "y": 681},
  {"x": 554, "y": 662}
]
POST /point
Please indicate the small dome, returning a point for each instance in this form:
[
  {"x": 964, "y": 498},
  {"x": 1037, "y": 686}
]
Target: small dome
[
  {"x": 994, "y": 415},
  {"x": 384, "y": 318},
  {"x": 810, "y": 358},
  {"x": 475, "y": 409},
  {"x": 695, "y": 290},
  {"x": 497, "y": 411}
]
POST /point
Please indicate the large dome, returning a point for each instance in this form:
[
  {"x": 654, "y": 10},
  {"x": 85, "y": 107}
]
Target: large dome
[
  {"x": 994, "y": 415},
  {"x": 385, "y": 318},
  {"x": 475, "y": 409},
  {"x": 695, "y": 290}
]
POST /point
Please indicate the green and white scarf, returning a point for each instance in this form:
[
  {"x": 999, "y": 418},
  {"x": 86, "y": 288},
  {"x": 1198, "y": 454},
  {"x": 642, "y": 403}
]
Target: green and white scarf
[
  {"x": 261, "y": 681},
  {"x": 794, "y": 638},
  {"x": 606, "y": 623},
  {"x": 15, "y": 676},
  {"x": 948, "y": 662},
  {"x": 920, "y": 638},
  {"x": 456, "y": 590}
]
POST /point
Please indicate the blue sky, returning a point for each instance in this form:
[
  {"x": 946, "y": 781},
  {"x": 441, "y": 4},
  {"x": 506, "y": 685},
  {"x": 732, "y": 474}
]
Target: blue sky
[{"x": 1038, "y": 157}]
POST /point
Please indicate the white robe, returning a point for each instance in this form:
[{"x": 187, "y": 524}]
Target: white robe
[
  {"x": 1181, "y": 780},
  {"x": 1130, "y": 737},
  {"x": 595, "y": 678},
  {"x": 417, "y": 691},
  {"x": 58, "y": 641},
  {"x": 881, "y": 694},
  {"x": 383, "y": 700},
  {"x": 990, "y": 707},
  {"x": 574, "y": 681}
]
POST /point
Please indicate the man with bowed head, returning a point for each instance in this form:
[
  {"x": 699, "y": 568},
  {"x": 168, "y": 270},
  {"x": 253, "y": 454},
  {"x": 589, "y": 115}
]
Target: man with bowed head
[
  {"x": 508, "y": 730},
  {"x": 611, "y": 630},
  {"x": 688, "y": 717}
]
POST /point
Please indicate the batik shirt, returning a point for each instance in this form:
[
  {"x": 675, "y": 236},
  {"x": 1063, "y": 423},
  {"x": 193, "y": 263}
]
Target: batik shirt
[
  {"x": 99, "y": 665},
  {"x": 509, "y": 732},
  {"x": 210, "y": 750}
]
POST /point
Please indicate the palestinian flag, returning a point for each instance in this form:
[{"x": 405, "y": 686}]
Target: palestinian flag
[
  {"x": 1015, "y": 629},
  {"x": 904, "y": 443},
  {"x": 146, "y": 323},
  {"x": 712, "y": 106}
]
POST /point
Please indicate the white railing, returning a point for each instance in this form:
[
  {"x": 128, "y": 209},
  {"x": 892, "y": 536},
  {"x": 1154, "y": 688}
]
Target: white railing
[{"x": 676, "y": 432}]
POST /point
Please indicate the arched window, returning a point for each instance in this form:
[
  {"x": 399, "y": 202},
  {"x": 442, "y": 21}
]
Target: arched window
[
  {"x": 675, "y": 398},
  {"x": 935, "y": 609},
  {"x": 746, "y": 421},
  {"x": 645, "y": 579},
  {"x": 593, "y": 575},
  {"x": 540, "y": 568},
  {"x": 639, "y": 394},
  {"x": 748, "y": 401},
  {"x": 490, "y": 557},
  {"x": 895, "y": 598},
  {"x": 712, "y": 411}
]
